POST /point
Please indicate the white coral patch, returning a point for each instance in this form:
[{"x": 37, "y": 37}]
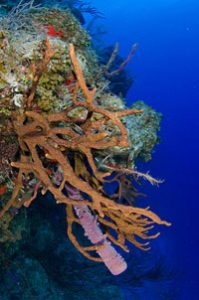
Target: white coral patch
[
  {"x": 11, "y": 80},
  {"x": 17, "y": 100}
]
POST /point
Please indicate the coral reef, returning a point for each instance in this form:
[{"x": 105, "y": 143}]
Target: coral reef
[
  {"x": 65, "y": 133},
  {"x": 147, "y": 124},
  {"x": 77, "y": 7}
]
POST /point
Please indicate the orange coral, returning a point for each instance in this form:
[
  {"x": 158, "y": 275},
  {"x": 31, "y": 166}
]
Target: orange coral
[
  {"x": 38, "y": 70},
  {"x": 53, "y": 139}
]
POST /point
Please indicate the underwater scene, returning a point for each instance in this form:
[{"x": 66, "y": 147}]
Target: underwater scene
[{"x": 99, "y": 146}]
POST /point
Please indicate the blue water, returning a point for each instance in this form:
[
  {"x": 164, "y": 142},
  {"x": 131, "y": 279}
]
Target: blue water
[{"x": 166, "y": 69}]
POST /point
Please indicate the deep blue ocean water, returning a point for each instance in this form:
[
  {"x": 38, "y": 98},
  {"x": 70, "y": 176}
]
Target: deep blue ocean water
[{"x": 166, "y": 71}]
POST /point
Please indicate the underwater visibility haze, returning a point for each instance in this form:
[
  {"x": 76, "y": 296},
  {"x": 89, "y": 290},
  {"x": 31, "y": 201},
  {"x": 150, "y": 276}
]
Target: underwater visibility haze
[{"x": 99, "y": 149}]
